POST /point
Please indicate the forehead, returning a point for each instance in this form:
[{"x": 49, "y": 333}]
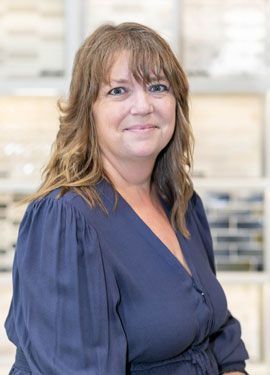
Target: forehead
[
  {"x": 125, "y": 64},
  {"x": 119, "y": 65}
]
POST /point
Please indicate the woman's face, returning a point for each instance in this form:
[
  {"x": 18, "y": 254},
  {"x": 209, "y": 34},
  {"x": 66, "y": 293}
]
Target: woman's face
[{"x": 134, "y": 121}]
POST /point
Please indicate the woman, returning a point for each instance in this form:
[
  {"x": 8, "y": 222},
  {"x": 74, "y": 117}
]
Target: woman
[{"x": 114, "y": 271}]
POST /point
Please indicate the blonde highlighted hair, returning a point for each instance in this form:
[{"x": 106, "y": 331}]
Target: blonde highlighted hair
[{"x": 75, "y": 163}]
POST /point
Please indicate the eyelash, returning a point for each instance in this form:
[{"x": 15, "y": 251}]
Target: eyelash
[
  {"x": 158, "y": 85},
  {"x": 150, "y": 87},
  {"x": 111, "y": 92}
]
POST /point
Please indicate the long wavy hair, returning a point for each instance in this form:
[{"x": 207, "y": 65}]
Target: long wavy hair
[{"x": 76, "y": 163}]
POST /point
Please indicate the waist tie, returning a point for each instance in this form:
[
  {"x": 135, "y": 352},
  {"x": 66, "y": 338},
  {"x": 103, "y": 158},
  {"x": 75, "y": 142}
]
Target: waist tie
[
  {"x": 20, "y": 361},
  {"x": 201, "y": 360}
]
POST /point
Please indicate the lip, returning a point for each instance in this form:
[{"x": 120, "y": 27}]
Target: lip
[{"x": 141, "y": 127}]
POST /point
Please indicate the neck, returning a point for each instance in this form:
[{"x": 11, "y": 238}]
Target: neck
[{"x": 131, "y": 178}]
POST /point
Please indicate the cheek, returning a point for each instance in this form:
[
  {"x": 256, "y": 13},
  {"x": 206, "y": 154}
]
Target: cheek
[
  {"x": 171, "y": 113},
  {"x": 109, "y": 116},
  {"x": 170, "y": 119},
  {"x": 100, "y": 124},
  {"x": 101, "y": 118}
]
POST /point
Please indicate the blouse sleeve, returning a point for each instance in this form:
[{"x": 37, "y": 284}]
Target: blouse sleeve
[
  {"x": 63, "y": 314},
  {"x": 226, "y": 343}
]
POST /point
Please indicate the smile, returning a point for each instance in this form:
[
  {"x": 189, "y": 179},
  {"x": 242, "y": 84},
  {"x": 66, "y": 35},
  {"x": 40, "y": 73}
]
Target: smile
[{"x": 141, "y": 128}]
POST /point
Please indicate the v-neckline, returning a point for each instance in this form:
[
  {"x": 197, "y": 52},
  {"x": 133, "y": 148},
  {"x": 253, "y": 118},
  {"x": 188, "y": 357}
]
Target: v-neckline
[{"x": 166, "y": 252}]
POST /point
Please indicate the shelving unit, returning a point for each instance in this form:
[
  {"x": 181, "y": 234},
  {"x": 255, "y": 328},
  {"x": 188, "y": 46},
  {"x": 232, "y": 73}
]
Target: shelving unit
[{"x": 246, "y": 290}]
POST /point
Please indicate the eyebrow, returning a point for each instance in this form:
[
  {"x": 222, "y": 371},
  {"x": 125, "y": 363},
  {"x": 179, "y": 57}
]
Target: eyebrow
[
  {"x": 125, "y": 80},
  {"x": 119, "y": 81}
]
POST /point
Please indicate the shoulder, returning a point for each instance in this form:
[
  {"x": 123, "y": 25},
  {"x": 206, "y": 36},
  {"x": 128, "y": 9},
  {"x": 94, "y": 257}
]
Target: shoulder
[
  {"x": 55, "y": 198},
  {"x": 56, "y": 222},
  {"x": 61, "y": 207}
]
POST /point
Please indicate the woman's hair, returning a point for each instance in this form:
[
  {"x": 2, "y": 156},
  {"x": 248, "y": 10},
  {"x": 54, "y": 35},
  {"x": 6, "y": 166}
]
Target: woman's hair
[{"x": 75, "y": 163}]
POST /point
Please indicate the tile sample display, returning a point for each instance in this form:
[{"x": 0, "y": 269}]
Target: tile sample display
[
  {"x": 145, "y": 12},
  {"x": 236, "y": 219},
  {"x": 11, "y": 214},
  {"x": 31, "y": 39},
  {"x": 235, "y": 38},
  {"x": 28, "y": 128}
]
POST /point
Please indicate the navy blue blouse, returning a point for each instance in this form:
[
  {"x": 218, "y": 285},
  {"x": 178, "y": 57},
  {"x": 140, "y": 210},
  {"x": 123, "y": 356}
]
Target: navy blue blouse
[{"x": 100, "y": 294}]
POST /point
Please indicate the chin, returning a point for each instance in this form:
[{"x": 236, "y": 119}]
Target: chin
[{"x": 146, "y": 154}]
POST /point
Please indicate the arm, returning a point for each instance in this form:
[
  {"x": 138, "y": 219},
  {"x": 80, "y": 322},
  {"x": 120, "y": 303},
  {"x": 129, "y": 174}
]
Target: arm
[
  {"x": 62, "y": 310},
  {"x": 226, "y": 343}
]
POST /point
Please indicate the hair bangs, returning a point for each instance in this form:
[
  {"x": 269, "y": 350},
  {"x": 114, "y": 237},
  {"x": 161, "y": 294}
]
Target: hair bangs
[
  {"x": 146, "y": 65},
  {"x": 145, "y": 62}
]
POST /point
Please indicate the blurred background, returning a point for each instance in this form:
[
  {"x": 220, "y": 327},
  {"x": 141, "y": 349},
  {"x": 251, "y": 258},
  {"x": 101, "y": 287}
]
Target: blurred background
[{"x": 224, "y": 46}]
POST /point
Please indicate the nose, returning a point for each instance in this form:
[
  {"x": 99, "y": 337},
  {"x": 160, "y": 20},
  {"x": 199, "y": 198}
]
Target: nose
[{"x": 141, "y": 103}]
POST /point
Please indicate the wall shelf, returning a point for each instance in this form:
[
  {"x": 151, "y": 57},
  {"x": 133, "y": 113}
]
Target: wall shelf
[
  {"x": 37, "y": 87},
  {"x": 229, "y": 85}
]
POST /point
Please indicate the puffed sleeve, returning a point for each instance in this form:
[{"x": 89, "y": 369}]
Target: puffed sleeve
[
  {"x": 63, "y": 313},
  {"x": 226, "y": 343}
]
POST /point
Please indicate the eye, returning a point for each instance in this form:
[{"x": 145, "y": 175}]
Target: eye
[
  {"x": 117, "y": 91},
  {"x": 158, "y": 87}
]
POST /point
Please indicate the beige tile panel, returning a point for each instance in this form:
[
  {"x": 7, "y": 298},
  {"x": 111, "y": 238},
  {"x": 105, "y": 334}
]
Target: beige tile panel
[
  {"x": 245, "y": 304},
  {"x": 7, "y": 349},
  {"x": 28, "y": 126},
  {"x": 228, "y": 135}
]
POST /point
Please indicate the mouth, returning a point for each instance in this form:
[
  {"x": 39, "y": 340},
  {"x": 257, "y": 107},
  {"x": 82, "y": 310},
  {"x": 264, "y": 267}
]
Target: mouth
[{"x": 141, "y": 128}]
